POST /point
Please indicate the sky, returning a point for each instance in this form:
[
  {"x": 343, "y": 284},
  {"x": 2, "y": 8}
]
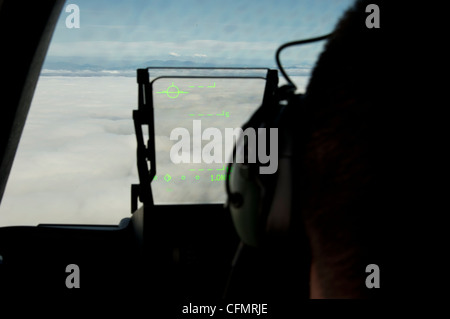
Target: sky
[
  {"x": 76, "y": 159},
  {"x": 122, "y": 33}
]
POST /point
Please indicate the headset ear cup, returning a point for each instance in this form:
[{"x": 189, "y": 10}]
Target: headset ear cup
[
  {"x": 245, "y": 188},
  {"x": 279, "y": 206},
  {"x": 244, "y": 204},
  {"x": 280, "y": 191}
]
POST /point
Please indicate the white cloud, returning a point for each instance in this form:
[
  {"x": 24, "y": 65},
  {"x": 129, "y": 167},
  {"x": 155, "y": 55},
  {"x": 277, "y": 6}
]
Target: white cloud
[
  {"x": 198, "y": 55},
  {"x": 174, "y": 54}
]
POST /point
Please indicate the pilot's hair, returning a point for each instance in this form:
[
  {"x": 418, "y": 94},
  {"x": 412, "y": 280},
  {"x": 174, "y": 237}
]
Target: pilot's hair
[{"x": 347, "y": 144}]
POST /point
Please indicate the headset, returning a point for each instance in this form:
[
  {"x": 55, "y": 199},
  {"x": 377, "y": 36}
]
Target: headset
[{"x": 261, "y": 204}]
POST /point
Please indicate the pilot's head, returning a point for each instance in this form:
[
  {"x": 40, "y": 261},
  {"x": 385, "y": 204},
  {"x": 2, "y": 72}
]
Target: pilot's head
[{"x": 352, "y": 104}]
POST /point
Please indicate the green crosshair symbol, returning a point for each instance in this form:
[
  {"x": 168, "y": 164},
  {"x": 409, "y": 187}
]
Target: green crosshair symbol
[{"x": 172, "y": 91}]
